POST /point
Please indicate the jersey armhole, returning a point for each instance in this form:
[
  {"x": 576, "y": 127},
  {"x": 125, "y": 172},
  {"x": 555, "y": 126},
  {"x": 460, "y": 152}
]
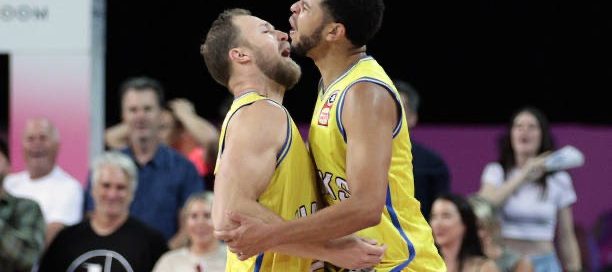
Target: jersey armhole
[
  {"x": 288, "y": 137},
  {"x": 282, "y": 153},
  {"x": 396, "y": 99}
]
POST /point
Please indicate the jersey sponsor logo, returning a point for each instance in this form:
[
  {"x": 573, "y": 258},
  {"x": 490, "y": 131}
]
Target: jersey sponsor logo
[{"x": 324, "y": 114}]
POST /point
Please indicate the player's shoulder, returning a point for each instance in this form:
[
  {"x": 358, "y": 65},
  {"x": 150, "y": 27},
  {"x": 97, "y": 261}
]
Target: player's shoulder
[
  {"x": 260, "y": 112},
  {"x": 263, "y": 121}
]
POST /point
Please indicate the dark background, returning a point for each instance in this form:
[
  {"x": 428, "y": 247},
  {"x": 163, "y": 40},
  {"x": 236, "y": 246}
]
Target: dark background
[{"x": 471, "y": 61}]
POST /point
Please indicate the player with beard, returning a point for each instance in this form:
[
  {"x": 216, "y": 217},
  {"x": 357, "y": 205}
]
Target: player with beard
[
  {"x": 263, "y": 168},
  {"x": 360, "y": 143}
]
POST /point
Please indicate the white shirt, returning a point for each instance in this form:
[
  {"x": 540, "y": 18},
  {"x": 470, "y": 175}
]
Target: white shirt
[
  {"x": 58, "y": 194},
  {"x": 527, "y": 214},
  {"x": 182, "y": 259}
]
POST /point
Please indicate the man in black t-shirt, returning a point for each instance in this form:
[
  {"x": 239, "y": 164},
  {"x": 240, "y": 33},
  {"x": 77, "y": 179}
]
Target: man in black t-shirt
[{"x": 110, "y": 240}]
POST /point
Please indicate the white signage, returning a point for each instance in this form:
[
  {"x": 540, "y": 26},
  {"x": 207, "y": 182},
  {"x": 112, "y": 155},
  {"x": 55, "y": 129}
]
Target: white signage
[{"x": 45, "y": 25}]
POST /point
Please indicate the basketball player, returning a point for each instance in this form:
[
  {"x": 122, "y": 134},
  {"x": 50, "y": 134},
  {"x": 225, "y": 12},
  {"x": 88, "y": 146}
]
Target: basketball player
[
  {"x": 359, "y": 140},
  {"x": 263, "y": 167}
]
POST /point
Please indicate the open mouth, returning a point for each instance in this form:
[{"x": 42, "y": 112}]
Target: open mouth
[
  {"x": 286, "y": 52},
  {"x": 292, "y": 24}
]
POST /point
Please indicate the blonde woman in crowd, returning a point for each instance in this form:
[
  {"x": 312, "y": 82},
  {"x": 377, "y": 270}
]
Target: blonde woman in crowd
[
  {"x": 201, "y": 252},
  {"x": 507, "y": 260}
]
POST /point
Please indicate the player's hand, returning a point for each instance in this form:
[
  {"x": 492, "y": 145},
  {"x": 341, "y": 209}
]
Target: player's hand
[
  {"x": 249, "y": 238},
  {"x": 353, "y": 252}
]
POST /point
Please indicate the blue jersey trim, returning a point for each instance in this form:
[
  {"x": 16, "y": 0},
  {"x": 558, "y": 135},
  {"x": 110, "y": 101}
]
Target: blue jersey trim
[
  {"x": 258, "y": 262},
  {"x": 396, "y": 224},
  {"x": 288, "y": 140},
  {"x": 340, "y": 105},
  {"x": 230, "y": 119}
]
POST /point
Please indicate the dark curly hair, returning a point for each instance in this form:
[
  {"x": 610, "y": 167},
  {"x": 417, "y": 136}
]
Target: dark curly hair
[{"x": 361, "y": 18}]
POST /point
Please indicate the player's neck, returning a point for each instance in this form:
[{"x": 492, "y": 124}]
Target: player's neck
[
  {"x": 264, "y": 88},
  {"x": 336, "y": 61}
]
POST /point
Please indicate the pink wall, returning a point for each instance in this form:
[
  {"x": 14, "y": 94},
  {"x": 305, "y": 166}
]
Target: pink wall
[
  {"x": 56, "y": 87},
  {"x": 467, "y": 149}
]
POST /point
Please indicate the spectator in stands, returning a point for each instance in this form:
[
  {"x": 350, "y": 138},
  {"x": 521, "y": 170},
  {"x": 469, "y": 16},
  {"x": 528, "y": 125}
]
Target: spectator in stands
[
  {"x": 166, "y": 177},
  {"x": 202, "y": 250},
  {"x": 602, "y": 244},
  {"x": 507, "y": 260},
  {"x": 58, "y": 194},
  {"x": 454, "y": 227},
  {"x": 110, "y": 237},
  {"x": 22, "y": 226},
  {"x": 431, "y": 175},
  {"x": 182, "y": 129},
  {"x": 533, "y": 203}
]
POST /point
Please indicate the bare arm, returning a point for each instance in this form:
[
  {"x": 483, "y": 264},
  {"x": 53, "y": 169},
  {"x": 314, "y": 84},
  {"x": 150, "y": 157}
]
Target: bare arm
[
  {"x": 369, "y": 117},
  {"x": 51, "y": 231},
  {"x": 489, "y": 266},
  {"x": 116, "y": 137},
  {"x": 497, "y": 195},
  {"x": 570, "y": 253},
  {"x": 523, "y": 265},
  {"x": 205, "y": 133},
  {"x": 246, "y": 167}
]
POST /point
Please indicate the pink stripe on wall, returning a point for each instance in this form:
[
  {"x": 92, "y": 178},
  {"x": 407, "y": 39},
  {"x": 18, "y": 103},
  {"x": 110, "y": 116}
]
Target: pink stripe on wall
[
  {"x": 467, "y": 149},
  {"x": 56, "y": 87}
]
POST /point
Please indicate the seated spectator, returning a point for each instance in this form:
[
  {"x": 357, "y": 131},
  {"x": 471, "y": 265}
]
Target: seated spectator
[
  {"x": 431, "y": 174},
  {"x": 58, "y": 194},
  {"x": 507, "y": 260},
  {"x": 602, "y": 234},
  {"x": 182, "y": 129},
  {"x": 454, "y": 227},
  {"x": 110, "y": 238},
  {"x": 166, "y": 177},
  {"x": 535, "y": 205},
  {"x": 202, "y": 252},
  {"x": 22, "y": 226}
]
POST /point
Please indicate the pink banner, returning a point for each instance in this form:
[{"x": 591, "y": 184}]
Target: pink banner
[{"x": 56, "y": 87}]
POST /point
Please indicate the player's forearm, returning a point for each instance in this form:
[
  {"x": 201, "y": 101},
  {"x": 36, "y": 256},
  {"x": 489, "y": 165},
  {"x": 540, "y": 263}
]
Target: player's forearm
[
  {"x": 315, "y": 251},
  {"x": 243, "y": 206},
  {"x": 334, "y": 222}
]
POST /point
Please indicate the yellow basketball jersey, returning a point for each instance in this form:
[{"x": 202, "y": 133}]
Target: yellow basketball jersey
[
  {"x": 409, "y": 240},
  {"x": 290, "y": 194}
]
